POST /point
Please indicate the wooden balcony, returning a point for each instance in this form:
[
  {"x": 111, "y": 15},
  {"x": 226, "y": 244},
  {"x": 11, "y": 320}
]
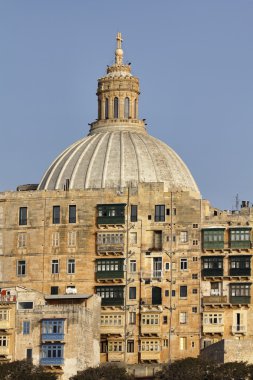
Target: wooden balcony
[
  {"x": 115, "y": 356},
  {"x": 212, "y": 272},
  {"x": 214, "y": 300},
  {"x": 213, "y": 329},
  {"x": 150, "y": 355},
  {"x": 110, "y": 248},
  {"x": 112, "y": 330},
  {"x": 4, "y": 325},
  {"x": 240, "y": 300},
  {"x": 4, "y": 350},
  {"x": 150, "y": 329}
]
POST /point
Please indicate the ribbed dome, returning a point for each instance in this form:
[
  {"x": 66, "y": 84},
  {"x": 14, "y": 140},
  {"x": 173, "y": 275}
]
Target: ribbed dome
[{"x": 117, "y": 159}]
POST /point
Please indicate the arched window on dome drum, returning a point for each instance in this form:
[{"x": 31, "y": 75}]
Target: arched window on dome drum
[
  {"x": 106, "y": 108},
  {"x": 126, "y": 108},
  {"x": 135, "y": 108},
  {"x": 116, "y": 108},
  {"x": 99, "y": 109}
]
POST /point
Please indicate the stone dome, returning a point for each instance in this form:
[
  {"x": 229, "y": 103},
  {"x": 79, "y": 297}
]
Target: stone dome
[
  {"x": 118, "y": 152},
  {"x": 118, "y": 159}
]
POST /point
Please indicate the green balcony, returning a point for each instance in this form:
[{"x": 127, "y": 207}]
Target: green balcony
[
  {"x": 240, "y": 244},
  {"x": 110, "y": 274},
  {"x": 213, "y": 238},
  {"x": 240, "y": 272},
  {"x": 212, "y": 272},
  {"x": 112, "y": 302},
  {"x": 111, "y": 213},
  {"x": 213, "y": 245},
  {"x": 242, "y": 300}
]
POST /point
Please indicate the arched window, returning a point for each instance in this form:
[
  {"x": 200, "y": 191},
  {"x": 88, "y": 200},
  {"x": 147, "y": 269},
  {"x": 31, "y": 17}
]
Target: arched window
[
  {"x": 126, "y": 108},
  {"x": 135, "y": 108},
  {"x": 116, "y": 108},
  {"x": 99, "y": 109},
  {"x": 106, "y": 108}
]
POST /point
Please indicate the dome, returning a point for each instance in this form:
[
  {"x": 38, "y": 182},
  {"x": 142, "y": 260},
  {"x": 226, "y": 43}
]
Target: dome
[
  {"x": 118, "y": 159},
  {"x": 118, "y": 152}
]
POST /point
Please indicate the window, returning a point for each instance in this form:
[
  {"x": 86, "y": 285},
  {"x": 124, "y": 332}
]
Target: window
[
  {"x": 116, "y": 108},
  {"x": 150, "y": 345},
  {"x": 183, "y": 318},
  {"x": 167, "y": 267},
  {"x": 149, "y": 217},
  {"x": 166, "y": 293},
  {"x": 150, "y": 319},
  {"x": 159, "y": 213},
  {"x": 239, "y": 290},
  {"x": 21, "y": 268},
  {"x": 132, "y": 293},
  {"x": 158, "y": 240},
  {"x": 157, "y": 267},
  {"x": 194, "y": 291},
  {"x": 111, "y": 320},
  {"x": 109, "y": 265},
  {"x": 111, "y": 213},
  {"x": 195, "y": 258},
  {"x": 213, "y": 238},
  {"x": 22, "y": 240},
  {"x": 195, "y": 242},
  {"x": 25, "y": 305},
  {"x": 71, "y": 266},
  {"x": 111, "y": 295},
  {"x": 182, "y": 343},
  {"x": 133, "y": 238},
  {"x": 103, "y": 347},
  {"x": 52, "y": 351},
  {"x": 116, "y": 346},
  {"x": 72, "y": 238},
  {"x": 56, "y": 214},
  {"x": 106, "y": 108},
  {"x": 173, "y": 293},
  {"x": 126, "y": 108},
  {"x": 165, "y": 319},
  {"x": 55, "y": 239},
  {"x": 183, "y": 291},
  {"x": 54, "y": 290},
  {"x": 53, "y": 326},
  {"x": 4, "y": 315},
  {"x": 240, "y": 234},
  {"x": 55, "y": 266},
  {"x": 132, "y": 317},
  {"x": 215, "y": 289},
  {"x": 183, "y": 264},
  {"x": 134, "y": 213},
  {"x": 3, "y": 341},
  {"x": 110, "y": 238},
  {"x": 194, "y": 309},
  {"x": 174, "y": 211},
  {"x": 72, "y": 213},
  {"x": 193, "y": 344},
  {"x": 183, "y": 237},
  {"x": 23, "y": 216},
  {"x": 195, "y": 225},
  {"x": 195, "y": 276},
  {"x": 29, "y": 353},
  {"x": 168, "y": 211},
  {"x": 165, "y": 342},
  {"x": 130, "y": 346},
  {"x": 132, "y": 266},
  {"x": 213, "y": 318},
  {"x": 26, "y": 327},
  {"x": 99, "y": 109},
  {"x": 240, "y": 262}
]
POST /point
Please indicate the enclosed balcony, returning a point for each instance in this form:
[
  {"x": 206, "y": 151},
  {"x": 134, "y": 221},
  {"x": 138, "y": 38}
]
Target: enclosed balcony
[
  {"x": 52, "y": 354},
  {"x": 212, "y": 266},
  {"x": 240, "y": 238},
  {"x": 111, "y": 295},
  {"x": 111, "y": 213},
  {"x": 109, "y": 269},
  {"x": 240, "y": 266},
  {"x": 110, "y": 242},
  {"x": 52, "y": 330},
  {"x": 240, "y": 293},
  {"x": 52, "y": 361},
  {"x": 213, "y": 299},
  {"x": 213, "y": 238},
  {"x": 213, "y": 323}
]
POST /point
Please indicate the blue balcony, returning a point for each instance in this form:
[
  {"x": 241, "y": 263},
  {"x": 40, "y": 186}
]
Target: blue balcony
[
  {"x": 51, "y": 361},
  {"x": 52, "y": 337}
]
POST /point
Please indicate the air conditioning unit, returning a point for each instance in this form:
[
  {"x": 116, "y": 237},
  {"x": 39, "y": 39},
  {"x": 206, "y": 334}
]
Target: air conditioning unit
[{"x": 70, "y": 290}]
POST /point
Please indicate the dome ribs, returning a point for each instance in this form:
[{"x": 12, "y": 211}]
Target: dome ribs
[
  {"x": 151, "y": 158},
  {"x": 105, "y": 166}
]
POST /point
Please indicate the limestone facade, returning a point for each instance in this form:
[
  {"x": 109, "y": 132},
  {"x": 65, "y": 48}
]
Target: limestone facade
[{"x": 59, "y": 332}]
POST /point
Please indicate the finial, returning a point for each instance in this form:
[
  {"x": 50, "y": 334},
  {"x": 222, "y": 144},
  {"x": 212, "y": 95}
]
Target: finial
[{"x": 119, "y": 51}]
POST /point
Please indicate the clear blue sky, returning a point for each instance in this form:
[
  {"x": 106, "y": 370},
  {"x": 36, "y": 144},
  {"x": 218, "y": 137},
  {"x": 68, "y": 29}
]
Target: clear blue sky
[{"x": 194, "y": 59}]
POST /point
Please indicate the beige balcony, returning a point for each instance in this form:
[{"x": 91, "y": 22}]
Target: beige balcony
[
  {"x": 115, "y": 356},
  {"x": 109, "y": 329},
  {"x": 214, "y": 299},
  {"x": 150, "y": 329},
  {"x": 150, "y": 355},
  {"x": 4, "y": 350},
  {"x": 239, "y": 329},
  {"x": 110, "y": 248},
  {"x": 4, "y": 325},
  {"x": 213, "y": 329}
]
